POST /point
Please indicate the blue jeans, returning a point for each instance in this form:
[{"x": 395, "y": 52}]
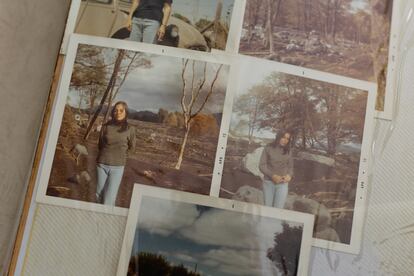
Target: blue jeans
[
  {"x": 275, "y": 194},
  {"x": 109, "y": 179},
  {"x": 144, "y": 30}
]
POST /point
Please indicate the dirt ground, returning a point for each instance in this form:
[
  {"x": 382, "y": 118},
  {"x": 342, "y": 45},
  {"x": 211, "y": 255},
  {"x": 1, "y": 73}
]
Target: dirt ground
[
  {"x": 333, "y": 187},
  {"x": 156, "y": 151},
  {"x": 342, "y": 57}
]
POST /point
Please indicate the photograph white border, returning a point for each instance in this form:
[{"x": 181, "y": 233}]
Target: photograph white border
[
  {"x": 61, "y": 98},
  {"x": 392, "y": 69},
  {"x": 366, "y": 149},
  {"x": 233, "y": 37},
  {"x": 141, "y": 191},
  {"x": 387, "y": 113}
]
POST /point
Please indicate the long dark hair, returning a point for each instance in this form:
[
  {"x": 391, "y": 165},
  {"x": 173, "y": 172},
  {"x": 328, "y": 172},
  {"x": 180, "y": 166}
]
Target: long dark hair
[
  {"x": 124, "y": 123},
  {"x": 279, "y": 135}
]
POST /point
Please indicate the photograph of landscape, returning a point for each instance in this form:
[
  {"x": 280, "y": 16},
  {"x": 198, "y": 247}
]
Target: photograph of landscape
[
  {"x": 326, "y": 123},
  {"x": 174, "y": 104},
  {"x": 177, "y": 238},
  {"x": 343, "y": 37}
]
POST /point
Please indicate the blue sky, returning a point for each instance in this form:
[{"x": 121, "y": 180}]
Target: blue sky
[{"x": 219, "y": 242}]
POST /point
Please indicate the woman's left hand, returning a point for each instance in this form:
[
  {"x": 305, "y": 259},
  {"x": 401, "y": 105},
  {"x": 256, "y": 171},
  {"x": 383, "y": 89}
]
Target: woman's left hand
[
  {"x": 161, "y": 32},
  {"x": 287, "y": 178}
]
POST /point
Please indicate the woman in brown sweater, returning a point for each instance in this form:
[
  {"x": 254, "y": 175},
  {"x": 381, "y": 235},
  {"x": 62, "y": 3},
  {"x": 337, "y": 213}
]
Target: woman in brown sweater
[
  {"x": 116, "y": 140},
  {"x": 276, "y": 163}
]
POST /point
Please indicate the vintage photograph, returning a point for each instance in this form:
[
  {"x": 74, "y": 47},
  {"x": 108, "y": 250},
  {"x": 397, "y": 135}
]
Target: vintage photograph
[
  {"x": 132, "y": 116},
  {"x": 190, "y": 24},
  {"x": 296, "y": 143},
  {"x": 176, "y": 235},
  {"x": 346, "y": 37}
]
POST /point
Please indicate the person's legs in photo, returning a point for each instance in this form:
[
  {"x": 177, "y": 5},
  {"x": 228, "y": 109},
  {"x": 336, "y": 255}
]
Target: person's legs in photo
[
  {"x": 281, "y": 192},
  {"x": 268, "y": 192},
  {"x": 102, "y": 174},
  {"x": 150, "y": 31},
  {"x": 114, "y": 181},
  {"x": 137, "y": 29}
]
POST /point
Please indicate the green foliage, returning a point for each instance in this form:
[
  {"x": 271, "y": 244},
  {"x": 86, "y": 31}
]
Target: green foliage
[
  {"x": 156, "y": 265},
  {"x": 285, "y": 252}
]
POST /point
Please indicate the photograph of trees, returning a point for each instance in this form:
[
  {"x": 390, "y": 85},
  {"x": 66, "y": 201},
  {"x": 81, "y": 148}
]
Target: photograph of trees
[
  {"x": 175, "y": 238},
  {"x": 174, "y": 104},
  {"x": 326, "y": 121},
  {"x": 344, "y": 37}
]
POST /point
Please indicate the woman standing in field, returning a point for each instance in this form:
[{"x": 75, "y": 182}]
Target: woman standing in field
[
  {"x": 276, "y": 163},
  {"x": 117, "y": 138}
]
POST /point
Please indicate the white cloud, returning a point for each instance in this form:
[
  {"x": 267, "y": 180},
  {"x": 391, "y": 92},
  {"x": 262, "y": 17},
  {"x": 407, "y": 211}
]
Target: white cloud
[
  {"x": 240, "y": 262},
  {"x": 232, "y": 229},
  {"x": 163, "y": 217}
]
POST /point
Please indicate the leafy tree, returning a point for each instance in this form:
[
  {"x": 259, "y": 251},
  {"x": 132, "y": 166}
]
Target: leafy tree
[
  {"x": 152, "y": 264},
  {"x": 286, "y": 249}
]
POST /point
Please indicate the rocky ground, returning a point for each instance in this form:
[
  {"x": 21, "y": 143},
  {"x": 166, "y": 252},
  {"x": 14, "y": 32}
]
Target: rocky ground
[
  {"x": 156, "y": 152},
  {"x": 311, "y": 50},
  {"x": 328, "y": 191}
]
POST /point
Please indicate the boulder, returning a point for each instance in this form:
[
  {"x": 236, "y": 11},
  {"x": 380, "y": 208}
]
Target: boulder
[
  {"x": 250, "y": 162},
  {"x": 323, "y": 217},
  {"x": 328, "y": 234},
  {"x": 249, "y": 194},
  {"x": 317, "y": 158}
]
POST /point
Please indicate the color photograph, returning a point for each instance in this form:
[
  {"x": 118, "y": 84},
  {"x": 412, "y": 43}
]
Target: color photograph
[
  {"x": 296, "y": 143},
  {"x": 190, "y": 24},
  {"x": 133, "y": 116},
  {"x": 345, "y": 37},
  {"x": 173, "y": 236}
]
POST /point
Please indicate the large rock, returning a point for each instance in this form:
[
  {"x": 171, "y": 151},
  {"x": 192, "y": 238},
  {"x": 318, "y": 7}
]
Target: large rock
[
  {"x": 323, "y": 217},
  {"x": 328, "y": 234},
  {"x": 249, "y": 194},
  {"x": 317, "y": 158},
  {"x": 251, "y": 161}
]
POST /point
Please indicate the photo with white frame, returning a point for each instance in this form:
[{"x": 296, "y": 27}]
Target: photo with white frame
[
  {"x": 210, "y": 123},
  {"x": 241, "y": 178},
  {"x": 219, "y": 231}
]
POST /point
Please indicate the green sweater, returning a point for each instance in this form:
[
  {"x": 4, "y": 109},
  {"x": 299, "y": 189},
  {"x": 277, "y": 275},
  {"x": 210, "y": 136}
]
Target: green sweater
[
  {"x": 273, "y": 161},
  {"x": 115, "y": 144}
]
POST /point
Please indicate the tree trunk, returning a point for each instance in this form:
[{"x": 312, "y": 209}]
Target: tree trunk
[
  {"x": 269, "y": 26},
  {"x": 108, "y": 89},
  {"x": 183, "y": 144}
]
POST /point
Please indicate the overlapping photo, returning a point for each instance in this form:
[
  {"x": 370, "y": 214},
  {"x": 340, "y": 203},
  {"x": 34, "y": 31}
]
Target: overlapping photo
[
  {"x": 176, "y": 233},
  {"x": 126, "y": 115},
  {"x": 346, "y": 37},
  {"x": 190, "y": 24},
  {"x": 300, "y": 143}
]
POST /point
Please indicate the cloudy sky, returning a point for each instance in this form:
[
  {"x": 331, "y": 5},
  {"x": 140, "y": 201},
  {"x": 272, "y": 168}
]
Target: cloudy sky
[
  {"x": 220, "y": 242},
  {"x": 160, "y": 86}
]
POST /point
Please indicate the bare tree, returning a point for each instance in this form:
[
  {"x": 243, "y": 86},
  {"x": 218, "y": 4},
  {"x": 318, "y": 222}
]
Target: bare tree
[
  {"x": 109, "y": 88},
  {"x": 193, "y": 92}
]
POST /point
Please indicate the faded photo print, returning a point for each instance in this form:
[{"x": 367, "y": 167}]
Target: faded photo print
[
  {"x": 344, "y": 37},
  {"x": 177, "y": 238},
  {"x": 190, "y": 24},
  {"x": 135, "y": 117},
  {"x": 295, "y": 143}
]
